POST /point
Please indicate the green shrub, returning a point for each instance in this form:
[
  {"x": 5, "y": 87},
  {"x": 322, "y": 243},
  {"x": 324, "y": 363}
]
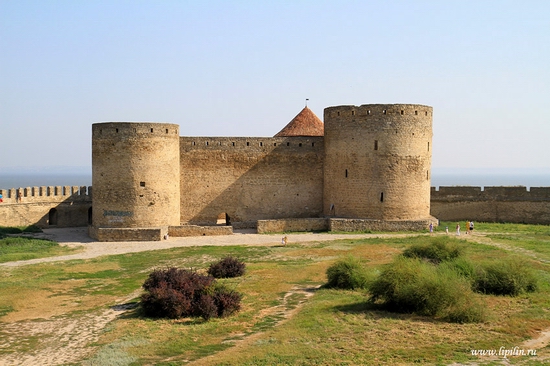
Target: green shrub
[
  {"x": 348, "y": 273},
  {"x": 436, "y": 250},
  {"x": 228, "y": 267},
  {"x": 462, "y": 266},
  {"x": 410, "y": 285},
  {"x": 511, "y": 276}
]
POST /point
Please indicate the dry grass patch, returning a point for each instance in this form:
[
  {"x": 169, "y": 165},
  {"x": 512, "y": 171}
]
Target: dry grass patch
[{"x": 44, "y": 304}]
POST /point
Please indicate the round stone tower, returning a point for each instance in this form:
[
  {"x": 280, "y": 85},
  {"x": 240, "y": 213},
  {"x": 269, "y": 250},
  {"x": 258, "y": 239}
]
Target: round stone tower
[
  {"x": 377, "y": 161},
  {"x": 135, "y": 175}
]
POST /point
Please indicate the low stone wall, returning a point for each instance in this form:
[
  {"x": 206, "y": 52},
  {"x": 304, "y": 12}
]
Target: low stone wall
[
  {"x": 127, "y": 234},
  {"x": 288, "y": 225},
  {"x": 336, "y": 224},
  {"x": 196, "y": 230}
]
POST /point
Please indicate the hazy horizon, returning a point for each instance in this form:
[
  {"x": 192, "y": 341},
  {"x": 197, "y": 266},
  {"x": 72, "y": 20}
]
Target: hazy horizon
[{"x": 439, "y": 177}]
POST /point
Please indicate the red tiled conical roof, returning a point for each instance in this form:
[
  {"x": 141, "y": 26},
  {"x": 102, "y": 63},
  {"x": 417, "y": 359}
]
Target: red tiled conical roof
[{"x": 306, "y": 123}]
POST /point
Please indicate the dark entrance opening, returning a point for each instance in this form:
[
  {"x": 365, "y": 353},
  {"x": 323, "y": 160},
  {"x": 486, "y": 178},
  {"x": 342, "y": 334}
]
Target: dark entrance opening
[
  {"x": 223, "y": 219},
  {"x": 52, "y": 217}
]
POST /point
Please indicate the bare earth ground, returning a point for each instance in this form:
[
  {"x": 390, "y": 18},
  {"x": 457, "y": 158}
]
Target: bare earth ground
[{"x": 61, "y": 340}]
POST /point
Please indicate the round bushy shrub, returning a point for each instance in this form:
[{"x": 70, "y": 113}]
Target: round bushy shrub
[
  {"x": 175, "y": 293},
  {"x": 411, "y": 285},
  {"x": 462, "y": 266},
  {"x": 227, "y": 301},
  {"x": 511, "y": 276},
  {"x": 348, "y": 273},
  {"x": 436, "y": 250},
  {"x": 228, "y": 267}
]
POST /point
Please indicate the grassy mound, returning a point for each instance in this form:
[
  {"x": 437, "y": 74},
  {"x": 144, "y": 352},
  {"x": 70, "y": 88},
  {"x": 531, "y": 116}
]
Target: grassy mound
[
  {"x": 348, "y": 273},
  {"x": 511, "y": 276},
  {"x": 410, "y": 285},
  {"x": 436, "y": 250}
]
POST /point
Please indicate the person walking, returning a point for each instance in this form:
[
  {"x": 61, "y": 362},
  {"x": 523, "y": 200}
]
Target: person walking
[{"x": 457, "y": 229}]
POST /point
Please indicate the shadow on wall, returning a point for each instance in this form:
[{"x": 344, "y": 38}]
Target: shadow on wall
[
  {"x": 46, "y": 206},
  {"x": 241, "y": 180}
]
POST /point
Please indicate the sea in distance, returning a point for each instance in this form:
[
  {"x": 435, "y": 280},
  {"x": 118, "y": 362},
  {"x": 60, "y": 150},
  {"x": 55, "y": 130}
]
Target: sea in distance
[{"x": 441, "y": 177}]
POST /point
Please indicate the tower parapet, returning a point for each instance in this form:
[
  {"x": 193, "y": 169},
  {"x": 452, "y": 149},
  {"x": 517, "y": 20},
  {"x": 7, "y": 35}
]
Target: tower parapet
[{"x": 377, "y": 161}]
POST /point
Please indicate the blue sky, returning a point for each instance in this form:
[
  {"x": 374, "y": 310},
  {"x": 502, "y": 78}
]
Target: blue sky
[{"x": 245, "y": 68}]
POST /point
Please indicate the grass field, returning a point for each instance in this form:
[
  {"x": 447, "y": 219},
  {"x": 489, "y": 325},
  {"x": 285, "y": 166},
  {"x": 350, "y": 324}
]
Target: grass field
[
  {"x": 17, "y": 244},
  {"x": 287, "y": 317}
]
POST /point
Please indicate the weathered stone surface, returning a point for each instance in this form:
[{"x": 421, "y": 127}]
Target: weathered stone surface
[
  {"x": 377, "y": 161},
  {"x": 62, "y": 207},
  {"x": 196, "y": 230},
  {"x": 135, "y": 175},
  {"x": 288, "y": 225},
  {"x": 492, "y": 204}
]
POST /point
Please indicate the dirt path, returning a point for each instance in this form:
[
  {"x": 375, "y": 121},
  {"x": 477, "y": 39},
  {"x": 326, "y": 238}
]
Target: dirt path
[
  {"x": 57, "y": 340},
  {"x": 77, "y": 237}
]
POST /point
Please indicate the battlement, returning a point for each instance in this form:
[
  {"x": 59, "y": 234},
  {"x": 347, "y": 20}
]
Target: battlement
[
  {"x": 46, "y": 194},
  {"x": 379, "y": 110},
  {"x": 499, "y": 193},
  {"x": 109, "y": 130},
  {"x": 265, "y": 144}
]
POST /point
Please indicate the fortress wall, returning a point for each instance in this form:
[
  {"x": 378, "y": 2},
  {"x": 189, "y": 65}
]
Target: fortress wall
[
  {"x": 44, "y": 207},
  {"x": 492, "y": 204},
  {"x": 250, "y": 178},
  {"x": 378, "y": 161}
]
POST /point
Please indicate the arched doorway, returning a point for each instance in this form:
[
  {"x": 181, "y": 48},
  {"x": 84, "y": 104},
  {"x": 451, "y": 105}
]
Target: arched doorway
[
  {"x": 52, "y": 217},
  {"x": 90, "y": 216}
]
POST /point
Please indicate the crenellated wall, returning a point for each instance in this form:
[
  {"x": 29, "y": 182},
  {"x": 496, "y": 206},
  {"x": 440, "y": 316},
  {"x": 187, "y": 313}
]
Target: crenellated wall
[
  {"x": 245, "y": 179},
  {"x": 72, "y": 205},
  {"x": 492, "y": 204},
  {"x": 59, "y": 206}
]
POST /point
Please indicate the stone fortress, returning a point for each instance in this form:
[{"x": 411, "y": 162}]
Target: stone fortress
[{"x": 366, "y": 168}]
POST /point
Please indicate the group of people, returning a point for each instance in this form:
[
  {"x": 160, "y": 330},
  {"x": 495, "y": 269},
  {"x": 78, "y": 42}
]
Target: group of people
[{"x": 469, "y": 228}]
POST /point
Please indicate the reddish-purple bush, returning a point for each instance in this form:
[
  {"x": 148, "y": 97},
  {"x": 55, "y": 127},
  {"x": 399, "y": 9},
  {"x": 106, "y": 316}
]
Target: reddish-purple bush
[
  {"x": 175, "y": 293},
  {"x": 228, "y": 267},
  {"x": 227, "y": 301}
]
